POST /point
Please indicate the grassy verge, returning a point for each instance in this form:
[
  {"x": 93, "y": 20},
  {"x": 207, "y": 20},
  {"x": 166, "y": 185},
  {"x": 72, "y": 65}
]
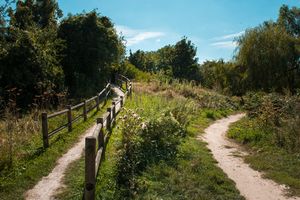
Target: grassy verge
[
  {"x": 192, "y": 174},
  {"x": 277, "y": 163},
  {"x": 29, "y": 169}
]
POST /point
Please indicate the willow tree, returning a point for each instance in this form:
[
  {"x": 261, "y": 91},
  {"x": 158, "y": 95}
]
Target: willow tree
[{"x": 270, "y": 55}]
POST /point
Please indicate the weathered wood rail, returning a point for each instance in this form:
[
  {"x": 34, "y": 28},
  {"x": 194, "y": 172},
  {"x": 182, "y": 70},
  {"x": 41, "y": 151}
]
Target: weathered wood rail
[
  {"x": 87, "y": 106},
  {"x": 95, "y": 145}
]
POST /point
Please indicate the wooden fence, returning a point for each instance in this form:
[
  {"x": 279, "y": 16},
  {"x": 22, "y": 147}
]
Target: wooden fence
[
  {"x": 95, "y": 145},
  {"x": 87, "y": 105}
]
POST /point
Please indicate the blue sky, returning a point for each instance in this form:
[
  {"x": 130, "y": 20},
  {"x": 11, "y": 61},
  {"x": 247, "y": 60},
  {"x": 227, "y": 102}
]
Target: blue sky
[{"x": 210, "y": 24}]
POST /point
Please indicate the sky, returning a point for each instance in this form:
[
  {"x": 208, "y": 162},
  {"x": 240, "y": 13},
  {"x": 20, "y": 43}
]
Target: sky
[{"x": 211, "y": 25}]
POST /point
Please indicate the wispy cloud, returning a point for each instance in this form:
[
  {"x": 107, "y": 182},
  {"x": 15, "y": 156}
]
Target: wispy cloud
[
  {"x": 225, "y": 44},
  {"x": 226, "y": 41},
  {"x": 135, "y": 36},
  {"x": 229, "y": 36}
]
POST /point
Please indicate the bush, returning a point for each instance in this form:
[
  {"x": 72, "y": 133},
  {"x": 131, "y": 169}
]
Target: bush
[
  {"x": 277, "y": 114},
  {"x": 145, "y": 143}
]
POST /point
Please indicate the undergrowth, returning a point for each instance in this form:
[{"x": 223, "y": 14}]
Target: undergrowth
[
  {"x": 271, "y": 132},
  {"x": 29, "y": 160},
  {"x": 153, "y": 154}
]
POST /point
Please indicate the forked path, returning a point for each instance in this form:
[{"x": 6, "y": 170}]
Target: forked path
[
  {"x": 248, "y": 181},
  {"x": 50, "y": 185}
]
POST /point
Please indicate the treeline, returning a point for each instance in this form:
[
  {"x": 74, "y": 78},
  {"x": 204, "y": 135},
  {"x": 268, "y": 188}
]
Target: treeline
[
  {"x": 44, "y": 58},
  {"x": 267, "y": 59}
]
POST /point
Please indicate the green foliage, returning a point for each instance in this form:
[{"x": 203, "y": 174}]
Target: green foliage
[
  {"x": 30, "y": 161},
  {"x": 270, "y": 56},
  {"x": 31, "y": 64},
  {"x": 276, "y": 162},
  {"x": 30, "y": 53},
  {"x": 267, "y": 59},
  {"x": 92, "y": 49},
  {"x": 177, "y": 61},
  {"x": 132, "y": 72},
  {"x": 278, "y": 115},
  {"x": 289, "y": 19},
  {"x": 184, "y": 64},
  {"x": 41, "y": 13},
  {"x": 145, "y": 144}
]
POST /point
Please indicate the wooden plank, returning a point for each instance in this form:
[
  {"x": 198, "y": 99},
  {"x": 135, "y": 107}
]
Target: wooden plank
[
  {"x": 91, "y": 99},
  {"x": 118, "y": 107},
  {"x": 109, "y": 118},
  {"x": 98, "y": 160},
  {"x": 97, "y": 130},
  {"x": 77, "y": 106},
  {"x": 77, "y": 118},
  {"x": 57, "y": 113},
  {"x": 50, "y": 134},
  {"x": 104, "y": 119}
]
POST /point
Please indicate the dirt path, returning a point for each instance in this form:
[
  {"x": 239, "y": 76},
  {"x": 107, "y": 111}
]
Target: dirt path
[
  {"x": 48, "y": 186},
  {"x": 248, "y": 181}
]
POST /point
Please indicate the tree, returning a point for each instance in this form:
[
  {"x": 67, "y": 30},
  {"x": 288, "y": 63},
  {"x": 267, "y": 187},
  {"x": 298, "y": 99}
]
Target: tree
[
  {"x": 40, "y": 13},
  {"x": 92, "y": 49},
  {"x": 184, "y": 63},
  {"x": 31, "y": 65},
  {"x": 270, "y": 56},
  {"x": 289, "y": 19},
  {"x": 29, "y": 55}
]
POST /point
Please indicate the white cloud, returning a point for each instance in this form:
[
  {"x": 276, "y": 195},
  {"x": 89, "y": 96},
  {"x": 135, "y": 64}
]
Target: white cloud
[
  {"x": 226, "y": 41},
  {"x": 230, "y": 36},
  {"x": 135, "y": 36},
  {"x": 225, "y": 44}
]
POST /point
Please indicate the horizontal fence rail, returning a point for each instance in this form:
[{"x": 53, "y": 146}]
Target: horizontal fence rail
[
  {"x": 86, "y": 108},
  {"x": 95, "y": 145},
  {"x": 72, "y": 116}
]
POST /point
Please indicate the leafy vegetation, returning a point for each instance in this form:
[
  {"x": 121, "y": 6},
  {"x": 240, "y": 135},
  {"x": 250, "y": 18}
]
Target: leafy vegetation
[
  {"x": 155, "y": 149},
  {"x": 46, "y": 61},
  {"x": 23, "y": 160},
  {"x": 271, "y": 132},
  {"x": 92, "y": 49}
]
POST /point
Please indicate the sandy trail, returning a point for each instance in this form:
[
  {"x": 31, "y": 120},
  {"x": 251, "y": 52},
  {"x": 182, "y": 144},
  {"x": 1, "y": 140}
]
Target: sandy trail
[
  {"x": 50, "y": 185},
  {"x": 248, "y": 181}
]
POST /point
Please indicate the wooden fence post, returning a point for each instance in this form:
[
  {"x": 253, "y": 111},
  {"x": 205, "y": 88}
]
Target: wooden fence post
[
  {"x": 130, "y": 92},
  {"x": 109, "y": 119},
  {"x": 126, "y": 85},
  {"x": 45, "y": 129},
  {"x": 97, "y": 102},
  {"x": 90, "y": 174},
  {"x": 122, "y": 101},
  {"x": 69, "y": 114},
  {"x": 114, "y": 109},
  {"x": 100, "y": 134},
  {"x": 84, "y": 111},
  {"x": 101, "y": 138}
]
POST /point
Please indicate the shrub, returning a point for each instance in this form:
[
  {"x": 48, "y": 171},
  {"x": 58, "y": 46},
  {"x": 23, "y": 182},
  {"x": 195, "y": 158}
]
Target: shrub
[{"x": 145, "y": 143}]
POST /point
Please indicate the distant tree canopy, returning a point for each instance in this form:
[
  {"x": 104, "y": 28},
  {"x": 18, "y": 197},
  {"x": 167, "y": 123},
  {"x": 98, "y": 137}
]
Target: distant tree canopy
[
  {"x": 267, "y": 58},
  {"x": 42, "y": 60},
  {"x": 177, "y": 60},
  {"x": 271, "y": 57},
  {"x": 92, "y": 48}
]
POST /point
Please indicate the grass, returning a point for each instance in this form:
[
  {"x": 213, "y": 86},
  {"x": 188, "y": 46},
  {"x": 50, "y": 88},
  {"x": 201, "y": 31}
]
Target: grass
[
  {"x": 193, "y": 174},
  {"x": 276, "y": 163},
  {"x": 27, "y": 170}
]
